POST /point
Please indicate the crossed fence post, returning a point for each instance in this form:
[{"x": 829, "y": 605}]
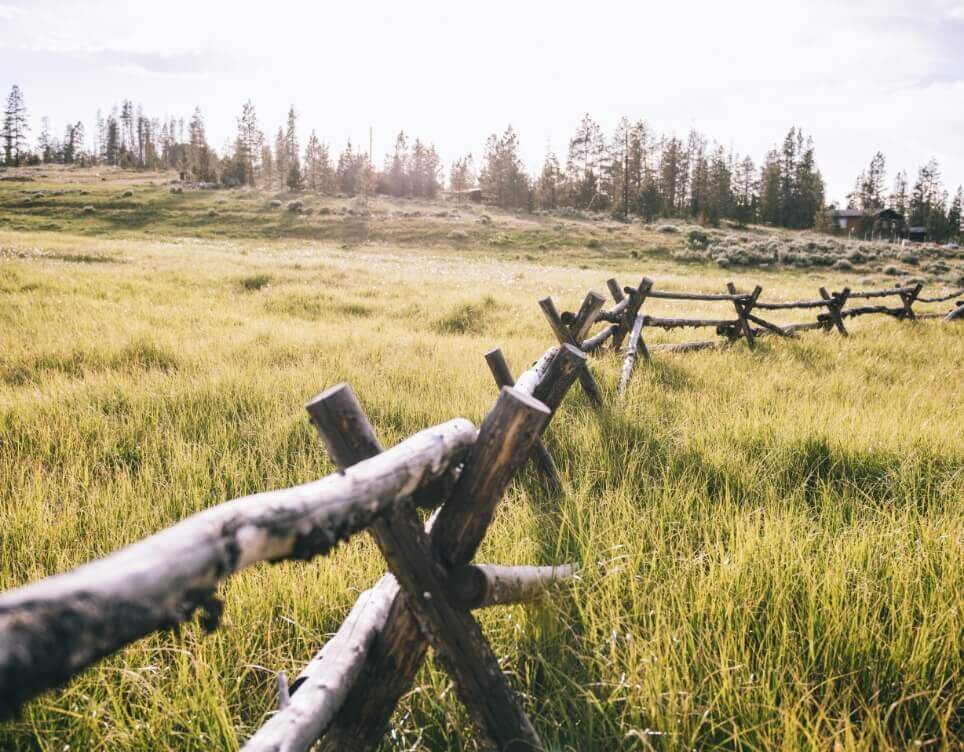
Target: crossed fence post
[
  {"x": 908, "y": 298},
  {"x": 573, "y": 334},
  {"x": 835, "y": 304}
]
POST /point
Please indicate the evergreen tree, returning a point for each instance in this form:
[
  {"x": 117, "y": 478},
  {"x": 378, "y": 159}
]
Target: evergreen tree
[
  {"x": 503, "y": 179},
  {"x": 462, "y": 175},
  {"x": 292, "y": 153},
  {"x": 549, "y": 184},
  {"x": 15, "y": 128},
  {"x": 955, "y": 217}
]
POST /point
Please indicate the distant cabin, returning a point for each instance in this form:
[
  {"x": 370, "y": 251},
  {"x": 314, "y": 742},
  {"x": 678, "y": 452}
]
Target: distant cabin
[
  {"x": 917, "y": 234},
  {"x": 858, "y": 222},
  {"x": 472, "y": 194}
]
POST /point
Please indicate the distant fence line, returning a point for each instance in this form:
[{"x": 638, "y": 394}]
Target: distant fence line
[
  {"x": 344, "y": 698},
  {"x": 626, "y": 318}
]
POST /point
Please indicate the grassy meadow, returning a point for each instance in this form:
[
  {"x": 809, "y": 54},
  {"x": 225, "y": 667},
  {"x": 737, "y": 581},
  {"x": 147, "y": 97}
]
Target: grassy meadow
[{"x": 771, "y": 542}]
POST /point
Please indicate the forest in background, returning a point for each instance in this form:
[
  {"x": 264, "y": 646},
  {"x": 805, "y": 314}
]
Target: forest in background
[{"x": 633, "y": 171}]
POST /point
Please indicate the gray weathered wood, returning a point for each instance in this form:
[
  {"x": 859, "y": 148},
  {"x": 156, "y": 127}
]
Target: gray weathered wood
[
  {"x": 668, "y": 295},
  {"x": 615, "y": 290},
  {"x": 908, "y": 298},
  {"x": 774, "y": 328},
  {"x": 454, "y": 634},
  {"x": 793, "y": 304},
  {"x": 942, "y": 298},
  {"x": 586, "y": 316},
  {"x": 687, "y": 346},
  {"x": 957, "y": 313},
  {"x": 505, "y": 439},
  {"x": 663, "y": 323},
  {"x": 835, "y": 304},
  {"x": 565, "y": 337},
  {"x": 321, "y": 688},
  {"x": 54, "y": 628},
  {"x": 743, "y": 308},
  {"x": 882, "y": 293},
  {"x": 540, "y": 454},
  {"x": 482, "y": 585},
  {"x": 598, "y": 340},
  {"x": 627, "y": 318},
  {"x": 632, "y": 349}
]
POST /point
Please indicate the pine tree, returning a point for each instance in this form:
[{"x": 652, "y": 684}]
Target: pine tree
[
  {"x": 15, "y": 128},
  {"x": 45, "y": 141},
  {"x": 955, "y": 217},
  {"x": 550, "y": 183},
  {"x": 313, "y": 162},
  {"x": 280, "y": 158},
  {"x": 462, "y": 176},
  {"x": 397, "y": 178},
  {"x": 292, "y": 153}
]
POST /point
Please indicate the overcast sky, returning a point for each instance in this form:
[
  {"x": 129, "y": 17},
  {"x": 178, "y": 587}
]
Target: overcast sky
[{"x": 857, "y": 75}]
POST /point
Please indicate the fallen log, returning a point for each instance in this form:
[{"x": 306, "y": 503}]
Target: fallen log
[{"x": 53, "y": 629}]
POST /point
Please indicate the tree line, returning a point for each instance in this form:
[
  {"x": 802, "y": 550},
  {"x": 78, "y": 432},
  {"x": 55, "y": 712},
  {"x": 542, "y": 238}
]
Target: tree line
[{"x": 633, "y": 171}]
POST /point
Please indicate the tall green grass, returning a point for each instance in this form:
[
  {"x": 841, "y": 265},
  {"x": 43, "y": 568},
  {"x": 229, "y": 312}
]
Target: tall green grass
[{"x": 772, "y": 542}]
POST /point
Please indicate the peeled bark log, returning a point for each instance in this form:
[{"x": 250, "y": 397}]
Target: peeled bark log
[
  {"x": 483, "y": 585},
  {"x": 957, "y": 313},
  {"x": 614, "y": 289},
  {"x": 586, "y": 316},
  {"x": 55, "y": 628}
]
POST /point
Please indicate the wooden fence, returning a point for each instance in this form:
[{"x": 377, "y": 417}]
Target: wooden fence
[
  {"x": 53, "y": 629},
  {"x": 627, "y": 318}
]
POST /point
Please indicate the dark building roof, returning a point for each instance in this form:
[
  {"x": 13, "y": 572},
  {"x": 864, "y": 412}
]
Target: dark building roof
[{"x": 848, "y": 213}]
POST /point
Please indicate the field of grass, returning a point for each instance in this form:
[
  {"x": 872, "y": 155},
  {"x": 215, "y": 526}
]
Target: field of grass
[{"x": 772, "y": 542}]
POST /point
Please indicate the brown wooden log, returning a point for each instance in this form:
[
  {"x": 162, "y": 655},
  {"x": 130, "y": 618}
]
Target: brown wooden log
[
  {"x": 565, "y": 337},
  {"x": 615, "y": 314},
  {"x": 456, "y": 637},
  {"x": 835, "y": 306},
  {"x": 615, "y": 290},
  {"x": 668, "y": 295},
  {"x": 806, "y": 326},
  {"x": 942, "y": 298},
  {"x": 686, "y": 346},
  {"x": 595, "y": 342},
  {"x": 897, "y": 313},
  {"x": 771, "y": 327},
  {"x": 794, "y": 304},
  {"x": 482, "y": 585},
  {"x": 540, "y": 454},
  {"x": 55, "y": 628},
  {"x": 882, "y": 293},
  {"x": 743, "y": 308},
  {"x": 632, "y": 349},
  {"x": 663, "y": 323},
  {"x": 505, "y": 439},
  {"x": 586, "y": 316},
  {"x": 628, "y": 315},
  {"x": 321, "y": 688},
  {"x": 908, "y": 298}
]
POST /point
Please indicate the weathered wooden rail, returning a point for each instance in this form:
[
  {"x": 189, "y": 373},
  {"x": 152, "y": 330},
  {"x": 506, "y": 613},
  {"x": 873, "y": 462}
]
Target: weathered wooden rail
[
  {"x": 344, "y": 698},
  {"x": 626, "y": 317}
]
